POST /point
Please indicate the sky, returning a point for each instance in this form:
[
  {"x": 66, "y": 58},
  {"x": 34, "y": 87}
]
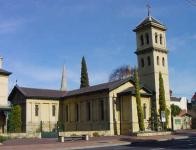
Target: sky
[{"x": 37, "y": 37}]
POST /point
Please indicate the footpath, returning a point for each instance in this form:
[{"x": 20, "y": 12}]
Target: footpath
[{"x": 94, "y": 142}]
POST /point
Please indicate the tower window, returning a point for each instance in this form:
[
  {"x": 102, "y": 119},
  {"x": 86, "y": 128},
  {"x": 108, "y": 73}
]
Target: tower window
[
  {"x": 163, "y": 61},
  {"x": 157, "y": 60},
  {"x": 156, "y": 38},
  {"x": 142, "y": 40},
  {"x": 149, "y": 62},
  {"x": 144, "y": 109},
  {"x": 142, "y": 62},
  {"x": 147, "y": 38},
  {"x": 161, "y": 39}
]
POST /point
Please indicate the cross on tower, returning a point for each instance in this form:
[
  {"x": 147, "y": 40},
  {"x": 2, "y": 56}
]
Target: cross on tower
[{"x": 148, "y": 8}]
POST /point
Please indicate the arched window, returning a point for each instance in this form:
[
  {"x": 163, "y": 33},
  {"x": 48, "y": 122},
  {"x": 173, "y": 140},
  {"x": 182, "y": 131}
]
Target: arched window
[
  {"x": 157, "y": 60},
  {"x": 147, "y": 38},
  {"x": 161, "y": 38},
  {"x": 156, "y": 38},
  {"x": 144, "y": 109},
  {"x": 142, "y": 62},
  {"x": 142, "y": 40},
  {"x": 149, "y": 62},
  {"x": 163, "y": 61}
]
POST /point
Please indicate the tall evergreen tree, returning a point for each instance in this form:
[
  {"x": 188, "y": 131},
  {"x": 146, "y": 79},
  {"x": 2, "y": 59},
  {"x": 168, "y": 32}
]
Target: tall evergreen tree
[
  {"x": 84, "y": 81},
  {"x": 138, "y": 101},
  {"x": 14, "y": 121},
  {"x": 162, "y": 101}
]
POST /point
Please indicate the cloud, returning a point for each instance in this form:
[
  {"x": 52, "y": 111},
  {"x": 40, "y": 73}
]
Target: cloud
[{"x": 7, "y": 26}]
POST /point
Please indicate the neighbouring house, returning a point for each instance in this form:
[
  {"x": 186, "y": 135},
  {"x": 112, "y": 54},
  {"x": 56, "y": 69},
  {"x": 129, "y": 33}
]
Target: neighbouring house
[
  {"x": 193, "y": 110},
  {"x": 193, "y": 99},
  {"x": 182, "y": 121},
  {"x": 4, "y": 106},
  {"x": 107, "y": 108},
  {"x": 180, "y": 102}
]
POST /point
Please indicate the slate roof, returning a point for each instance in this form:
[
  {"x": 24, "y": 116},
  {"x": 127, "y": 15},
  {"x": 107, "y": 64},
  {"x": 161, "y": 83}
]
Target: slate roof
[
  {"x": 150, "y": 21},
  {"x": 4, "y": 72},
  {"x": 37, "y": 93},
  {"x": 100, "y": 87},
  {"x": 57, "y": 94}
]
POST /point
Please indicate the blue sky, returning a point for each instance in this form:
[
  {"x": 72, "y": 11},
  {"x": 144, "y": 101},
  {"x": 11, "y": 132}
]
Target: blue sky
[{"x": 38, "y": 36}]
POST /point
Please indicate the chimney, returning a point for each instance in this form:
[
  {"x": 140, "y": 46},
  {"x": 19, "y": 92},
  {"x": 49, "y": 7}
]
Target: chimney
[{"x": 1, "y": 62}]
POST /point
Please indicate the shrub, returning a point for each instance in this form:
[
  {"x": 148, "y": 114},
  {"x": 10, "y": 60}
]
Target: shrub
[
  {"x": 14, "y": 121},
  {"x": 96, "y": 134},
  {"x": 3, "y": 138}
]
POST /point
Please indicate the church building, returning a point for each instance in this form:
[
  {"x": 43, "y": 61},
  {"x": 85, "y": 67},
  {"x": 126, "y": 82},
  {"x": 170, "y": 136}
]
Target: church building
[{"x": 107, "y": 108}]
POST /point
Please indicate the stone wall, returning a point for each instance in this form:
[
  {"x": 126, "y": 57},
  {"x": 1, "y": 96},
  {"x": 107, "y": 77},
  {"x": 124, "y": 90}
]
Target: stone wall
[{"x": 22, "y": 135}]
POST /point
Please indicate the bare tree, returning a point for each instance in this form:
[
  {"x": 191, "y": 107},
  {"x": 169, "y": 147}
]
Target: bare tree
[{"x": 121, "y": 72}]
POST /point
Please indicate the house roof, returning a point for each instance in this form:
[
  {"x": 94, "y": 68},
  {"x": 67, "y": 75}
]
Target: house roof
[
  {"x": 57, "y": 94},
  {"x": 4, "y": 72},
  {"x": 184, "y": 113},
  {"x": 194, "y": 97},
  {"x": 100, "y": 87},
  {"x": 37, "y": 93},
  {"x": 149, "y": 20},
  {"x": 175, "y": 99}
]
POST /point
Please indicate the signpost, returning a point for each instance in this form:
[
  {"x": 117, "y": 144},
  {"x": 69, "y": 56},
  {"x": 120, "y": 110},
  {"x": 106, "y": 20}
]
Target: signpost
[{"x": 163, "y": 118}]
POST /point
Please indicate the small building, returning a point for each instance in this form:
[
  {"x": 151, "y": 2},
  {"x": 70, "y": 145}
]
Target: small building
[
  {"x": 182, "y": 121},
  {"x": 4, "y": 106}
]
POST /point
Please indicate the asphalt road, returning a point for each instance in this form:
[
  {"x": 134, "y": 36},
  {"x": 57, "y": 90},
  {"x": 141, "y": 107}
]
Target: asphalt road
[{"x": 189, "y": 143}]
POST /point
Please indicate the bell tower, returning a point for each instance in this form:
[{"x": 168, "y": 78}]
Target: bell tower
[{"x": 152, "y": 56}]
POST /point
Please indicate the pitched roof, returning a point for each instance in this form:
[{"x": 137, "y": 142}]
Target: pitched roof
[
  {"x": 184, "y": 113},
  {"x": 57, "y": 94},
  {"x": 4, "y": 72},
  {"x": 37, "y": 93},
  {"x": 194, "y": 97},
  {"x": 175, "y": 99},
  {"x": 104, "y": 86},
  {"x": 149, "y": 20}
]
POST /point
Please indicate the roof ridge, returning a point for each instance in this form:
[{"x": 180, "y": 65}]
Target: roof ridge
[
  {"x": 110, "y": 82},
  {"x": 40, "y": 89}
]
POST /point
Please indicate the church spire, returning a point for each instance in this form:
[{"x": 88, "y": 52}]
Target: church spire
[{"x": 63, "y": 80}]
